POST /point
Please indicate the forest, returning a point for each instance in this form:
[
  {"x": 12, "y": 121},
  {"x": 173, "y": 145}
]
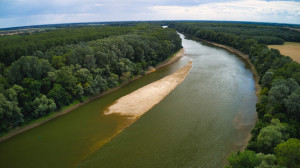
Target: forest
[
  {"x": 43, "y": 72},
  {"x": 275, "y": 137}
]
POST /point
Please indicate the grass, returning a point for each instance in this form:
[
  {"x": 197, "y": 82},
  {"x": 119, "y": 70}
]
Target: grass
[{"x": 291, "y": 49}]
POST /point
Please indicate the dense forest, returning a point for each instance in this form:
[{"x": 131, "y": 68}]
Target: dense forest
[
  {"x": 42, "y": 72},
  {"x": 275, "y": 137}
]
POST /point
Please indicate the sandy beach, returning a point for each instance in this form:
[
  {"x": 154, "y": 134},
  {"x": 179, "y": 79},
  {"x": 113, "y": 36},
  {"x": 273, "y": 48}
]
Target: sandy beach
[
  {"x": 142, "y": 100},
  {"x": 171, "y": 60},
  {"x": 24, "y": 128}
]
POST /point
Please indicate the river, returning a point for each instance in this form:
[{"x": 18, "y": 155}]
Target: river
[{"x": 208, "y": 116}]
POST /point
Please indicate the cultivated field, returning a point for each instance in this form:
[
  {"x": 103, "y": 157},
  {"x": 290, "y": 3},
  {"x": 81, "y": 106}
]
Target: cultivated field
[{"x": 291, "y": 49}]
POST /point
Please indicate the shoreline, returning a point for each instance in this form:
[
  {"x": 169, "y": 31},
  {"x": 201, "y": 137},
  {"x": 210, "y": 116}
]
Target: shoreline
[
  {"x": 255, "y": 76},
  {"x": 176, "y": 56},
  {"x": 245, "y": 57},
  {"x": 140, "y": 101}
]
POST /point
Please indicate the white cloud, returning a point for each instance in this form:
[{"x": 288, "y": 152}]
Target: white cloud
[
  {"x": 247, "y": 10},
  {"x": 32, "y": 12}
]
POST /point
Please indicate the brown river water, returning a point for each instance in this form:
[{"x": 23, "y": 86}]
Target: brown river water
[{"x": 199, "y": 124}]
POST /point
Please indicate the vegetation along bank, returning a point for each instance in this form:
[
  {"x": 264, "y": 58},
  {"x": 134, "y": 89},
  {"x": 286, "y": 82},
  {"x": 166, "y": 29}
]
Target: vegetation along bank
[
  {"x": 142, "y": 100},
  {"x": 43, "y": 72},
  {"x": 275, "y": 137}
]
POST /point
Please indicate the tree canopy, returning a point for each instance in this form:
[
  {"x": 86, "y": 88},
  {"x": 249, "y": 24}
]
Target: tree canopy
[
  {"x": 279, "y": 100},
  {"x": 45, "y": 71}
]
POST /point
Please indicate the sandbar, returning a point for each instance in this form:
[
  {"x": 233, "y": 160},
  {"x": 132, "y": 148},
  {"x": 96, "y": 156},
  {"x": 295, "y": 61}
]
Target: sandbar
[{"x": 142, "y": 100}]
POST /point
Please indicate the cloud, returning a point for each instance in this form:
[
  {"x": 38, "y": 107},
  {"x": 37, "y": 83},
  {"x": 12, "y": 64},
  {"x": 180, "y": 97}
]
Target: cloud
[
  {"x": 246, "y": 10},
  {"x": 33, "y": 12}
]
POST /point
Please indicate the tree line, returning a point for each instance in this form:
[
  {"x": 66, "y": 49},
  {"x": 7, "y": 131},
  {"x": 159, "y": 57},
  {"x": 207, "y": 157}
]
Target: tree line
[
  {"x": 13, "y": 47},
  {"x": 275, "y": 137},
  {"x": 218, "y": 32},
  {"x": 35, "y": 83}
]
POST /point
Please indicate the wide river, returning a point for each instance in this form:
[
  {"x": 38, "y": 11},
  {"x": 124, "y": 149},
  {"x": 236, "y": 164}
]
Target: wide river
[{"x": 206, "y": 118}]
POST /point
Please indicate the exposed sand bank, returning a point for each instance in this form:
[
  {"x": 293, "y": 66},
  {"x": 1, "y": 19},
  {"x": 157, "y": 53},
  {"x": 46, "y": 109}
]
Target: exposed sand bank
[
  {"x": 24, "y": 128},
  {"x": 168, "y": 61},
  {"x": 142, "y": 100},
  {"x": 171, "y": 60}
]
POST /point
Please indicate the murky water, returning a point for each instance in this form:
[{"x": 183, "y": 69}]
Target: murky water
[{"x": 198, "y": 125}]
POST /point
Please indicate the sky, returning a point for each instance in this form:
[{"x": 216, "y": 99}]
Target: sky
[{"x": 36, "y": 12}]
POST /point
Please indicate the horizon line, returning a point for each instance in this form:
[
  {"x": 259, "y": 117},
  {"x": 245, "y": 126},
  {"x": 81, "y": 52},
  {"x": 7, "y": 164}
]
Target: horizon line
[{"x": 98, "y": 22}]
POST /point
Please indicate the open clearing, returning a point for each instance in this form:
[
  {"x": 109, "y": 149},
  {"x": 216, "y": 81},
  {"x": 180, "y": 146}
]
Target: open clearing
[{"x": 291, "y": 49}]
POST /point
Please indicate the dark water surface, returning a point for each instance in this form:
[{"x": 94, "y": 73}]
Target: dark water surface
[{"x": 197, "y": 125}]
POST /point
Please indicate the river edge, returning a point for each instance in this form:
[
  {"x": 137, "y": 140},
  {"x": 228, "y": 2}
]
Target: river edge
[
  {"x": 140, "y": 101},
  {"x": 135, "y": 104},
  {"x": 176, "y": 56},
  {"x": 245, "y": 57},
  {"x": 255, "y": 76}
]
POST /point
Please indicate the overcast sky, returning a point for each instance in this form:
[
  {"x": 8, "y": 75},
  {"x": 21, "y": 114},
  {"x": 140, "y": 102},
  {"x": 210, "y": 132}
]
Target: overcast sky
[{"x": 34, "y": 12}]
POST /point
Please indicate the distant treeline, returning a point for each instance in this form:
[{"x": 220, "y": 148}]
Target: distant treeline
[
  {"x": 43, "y": 72},
  {"x": 13, "y": 47},
  {"x": 275, "y": 138},
  {"x": 226, "y": 33}
]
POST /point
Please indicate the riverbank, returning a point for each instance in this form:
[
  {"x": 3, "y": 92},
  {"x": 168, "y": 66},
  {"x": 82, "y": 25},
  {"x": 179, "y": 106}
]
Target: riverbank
[
  {"x": 51, "y": 116},
  {"x": 142, "y": 100},
  {"x": 245, "y": 57}
]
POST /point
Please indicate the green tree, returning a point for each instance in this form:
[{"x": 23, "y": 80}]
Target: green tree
[
  {"x": 13, "y": 92},
  {"x": 32, "y": 86},
  {"x": 66, "y": 79},
  {"x": 83, "y": 75},
  {"x": 270, "y": 136},
  {"x": 288, "y": 153},
  {"x": 60, "y": 96},
  {"x": 267, "y": 79},
  {"x": 43, "y": 106},
  {"x": 280, "y": 90},
  {"x": 112, "y": 80},
  {"x": 2, "y": 66},
  {"x": 57, "y": 62},
  {"x": 292, "y": 103},
  {"x": 277, "y": 93},
  {"x": 81, "y": 54},
  {"x": 267, "y": 161},
  {"x": 99, "y": 85},
  {"x": 296, "y": 76},
  {"x": 245, "y": 159},
  {"x": 10, "y": 113},
  {"x": 28, "y": 67},
  {"x": 79, "y": 92},
  {"x": 89, "y": 61}
]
